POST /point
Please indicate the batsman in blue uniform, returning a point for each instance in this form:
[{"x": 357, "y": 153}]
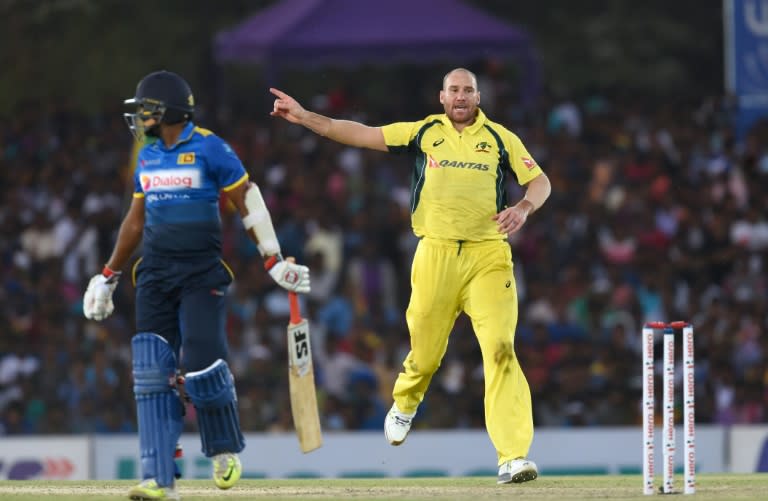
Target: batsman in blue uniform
[{"x": 181, "y": 281}]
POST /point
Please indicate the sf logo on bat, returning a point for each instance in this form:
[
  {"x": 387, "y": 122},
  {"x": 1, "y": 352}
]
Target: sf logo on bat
[{"x": 301, "y": 355}]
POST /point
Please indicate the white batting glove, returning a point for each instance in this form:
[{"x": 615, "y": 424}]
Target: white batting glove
[
  {"x": 97, "y": 301},
  {"x": 288, "y": 275}
]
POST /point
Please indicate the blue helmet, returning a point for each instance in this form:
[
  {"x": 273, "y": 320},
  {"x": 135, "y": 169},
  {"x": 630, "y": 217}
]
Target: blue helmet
[{"x": 163, "y": 96}]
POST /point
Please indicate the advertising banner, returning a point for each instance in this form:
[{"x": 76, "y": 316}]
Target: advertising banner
[
  {"x": 746, "y": 59},
  {"x": 425, "y": 453},
  {"x": 45, "y": 458}
]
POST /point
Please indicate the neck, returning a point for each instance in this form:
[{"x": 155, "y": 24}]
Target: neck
[
  {"x": 461, "y": 126},
  {"x": 170, "y": 134}
]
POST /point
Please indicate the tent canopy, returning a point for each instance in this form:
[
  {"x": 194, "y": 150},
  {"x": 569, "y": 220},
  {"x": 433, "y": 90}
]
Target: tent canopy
[{"x": 310, "y": 33}]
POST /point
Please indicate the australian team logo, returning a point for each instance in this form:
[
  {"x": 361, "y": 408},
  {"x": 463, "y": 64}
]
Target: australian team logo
[{"x": 483, "y": 147}]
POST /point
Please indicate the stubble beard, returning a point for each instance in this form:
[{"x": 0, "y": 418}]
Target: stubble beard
[{"x": 468, "y": 116}]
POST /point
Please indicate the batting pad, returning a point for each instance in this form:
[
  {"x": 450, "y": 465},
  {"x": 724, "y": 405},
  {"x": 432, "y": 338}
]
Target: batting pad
[
  {"x": 212, "y": 391},
  {"x": 157, "y": 405}
]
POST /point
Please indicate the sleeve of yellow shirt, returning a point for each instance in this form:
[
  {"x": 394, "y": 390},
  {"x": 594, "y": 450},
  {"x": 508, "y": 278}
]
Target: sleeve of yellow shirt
[
  {"x": 398, "y": 136},
  {"x": 522, "y": 162}
]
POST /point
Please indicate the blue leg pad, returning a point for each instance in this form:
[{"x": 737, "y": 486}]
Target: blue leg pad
[
  {"x": 158, "y": 406},
  {"x": 212, "y": 391}
]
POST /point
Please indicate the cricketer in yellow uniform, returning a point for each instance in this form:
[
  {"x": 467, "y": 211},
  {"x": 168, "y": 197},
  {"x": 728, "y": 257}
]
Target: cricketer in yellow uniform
[
  {"x": 462, "y": 163},
  {"x": 463, "y": 263}
]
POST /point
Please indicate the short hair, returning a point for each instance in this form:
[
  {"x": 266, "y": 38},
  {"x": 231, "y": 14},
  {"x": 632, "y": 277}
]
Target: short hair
[{"x": 474, "y": 77}]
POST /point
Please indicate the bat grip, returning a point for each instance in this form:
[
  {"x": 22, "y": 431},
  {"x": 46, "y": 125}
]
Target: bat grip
[{"x": 293, "y": 300}]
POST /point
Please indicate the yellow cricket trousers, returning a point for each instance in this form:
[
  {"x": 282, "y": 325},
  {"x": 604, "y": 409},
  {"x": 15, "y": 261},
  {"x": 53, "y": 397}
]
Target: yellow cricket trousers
[{"x": 447, "y": 278}]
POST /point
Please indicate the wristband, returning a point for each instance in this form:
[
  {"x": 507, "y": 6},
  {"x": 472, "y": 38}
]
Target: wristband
[
  {"x": 272, "y": 260},
  {"x": 110, "y": 274}
]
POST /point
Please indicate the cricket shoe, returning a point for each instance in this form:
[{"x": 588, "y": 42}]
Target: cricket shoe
[
  {"x": 397, "y": 425},
  {"x": 226, "y": 469},
  {"x": 148, "y": 490},
  {"x": 517, "y": 471}
]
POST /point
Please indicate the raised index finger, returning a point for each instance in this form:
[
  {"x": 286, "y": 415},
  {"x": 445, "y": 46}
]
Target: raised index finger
[{"x": 278, "y": 92}]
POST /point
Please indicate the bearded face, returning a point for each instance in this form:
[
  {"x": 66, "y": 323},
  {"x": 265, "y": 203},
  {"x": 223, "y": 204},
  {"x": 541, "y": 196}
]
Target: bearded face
[{"x": 460, "y": 97}]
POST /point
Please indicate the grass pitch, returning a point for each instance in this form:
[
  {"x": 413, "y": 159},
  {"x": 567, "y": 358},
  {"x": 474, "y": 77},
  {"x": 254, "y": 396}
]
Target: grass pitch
[{"x": 732, "y": 487}]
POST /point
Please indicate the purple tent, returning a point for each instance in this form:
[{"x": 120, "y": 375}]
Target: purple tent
[{"x": 309, "y": 33}]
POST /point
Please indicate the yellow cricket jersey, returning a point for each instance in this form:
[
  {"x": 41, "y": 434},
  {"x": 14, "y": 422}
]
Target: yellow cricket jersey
[{"x": 458, "y": 178}]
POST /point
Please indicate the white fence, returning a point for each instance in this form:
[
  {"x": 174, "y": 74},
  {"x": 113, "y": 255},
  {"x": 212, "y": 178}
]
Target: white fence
[
  {"x": 345, "y": 455},
  {"x": 748, "y": 449}
]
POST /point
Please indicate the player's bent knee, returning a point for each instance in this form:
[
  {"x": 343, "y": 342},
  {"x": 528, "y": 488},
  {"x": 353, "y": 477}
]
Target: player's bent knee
[
  {"x": 423, "y": 365},
  {"x": 213, "y": 386},
  {"x": 154, "y": 364},
  {"x": 212, "y": 392}
]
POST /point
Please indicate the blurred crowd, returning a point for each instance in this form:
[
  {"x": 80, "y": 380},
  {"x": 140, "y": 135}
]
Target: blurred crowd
[{"x": 657, "y": 213}]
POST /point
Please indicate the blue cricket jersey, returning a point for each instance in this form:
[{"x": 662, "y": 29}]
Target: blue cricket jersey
[{"x": 181, "y": 187}]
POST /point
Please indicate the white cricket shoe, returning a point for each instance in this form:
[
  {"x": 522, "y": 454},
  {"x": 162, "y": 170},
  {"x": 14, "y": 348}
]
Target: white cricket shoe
[
  {"x": 517, "y": 470},
  {"x": 397, "y": 425}
]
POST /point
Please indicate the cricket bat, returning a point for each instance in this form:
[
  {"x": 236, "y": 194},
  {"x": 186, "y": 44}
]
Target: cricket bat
[{"x": 301, "y": 380}]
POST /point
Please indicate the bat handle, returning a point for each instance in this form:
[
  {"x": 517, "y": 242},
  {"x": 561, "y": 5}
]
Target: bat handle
[{"x": 293, "y": 300}]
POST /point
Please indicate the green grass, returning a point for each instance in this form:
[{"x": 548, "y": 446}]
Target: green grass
[{"x": 560, "y": 488}]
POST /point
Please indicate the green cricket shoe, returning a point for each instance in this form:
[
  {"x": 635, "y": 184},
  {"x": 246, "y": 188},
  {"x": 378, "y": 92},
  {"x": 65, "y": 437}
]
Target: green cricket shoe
[
  {"x": 148, "y": 490},
  {"x": 226, "y": 470}
]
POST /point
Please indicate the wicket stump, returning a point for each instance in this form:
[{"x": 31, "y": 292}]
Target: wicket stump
[{"x": 668, "y": 399}]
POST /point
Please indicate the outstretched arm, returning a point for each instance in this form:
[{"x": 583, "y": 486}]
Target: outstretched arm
[{"x": 342, "y": 131}]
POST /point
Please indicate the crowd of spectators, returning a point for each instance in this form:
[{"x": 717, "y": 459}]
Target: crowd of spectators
[{"x": 657, "y": 213}]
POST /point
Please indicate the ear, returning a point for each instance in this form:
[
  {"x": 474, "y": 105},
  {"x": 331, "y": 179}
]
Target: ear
[
  {"x": 442, "y": 97},
  {"x": 478, "y": 98}
]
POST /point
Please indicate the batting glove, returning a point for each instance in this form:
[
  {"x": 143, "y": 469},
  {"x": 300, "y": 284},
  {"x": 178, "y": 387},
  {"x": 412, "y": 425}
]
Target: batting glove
[
  {"x": 97, "y": 301},
  {"x": 288, "y": 275}
]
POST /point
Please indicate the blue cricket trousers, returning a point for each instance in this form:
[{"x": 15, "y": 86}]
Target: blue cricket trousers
[{"x": 183, "y": 300}]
